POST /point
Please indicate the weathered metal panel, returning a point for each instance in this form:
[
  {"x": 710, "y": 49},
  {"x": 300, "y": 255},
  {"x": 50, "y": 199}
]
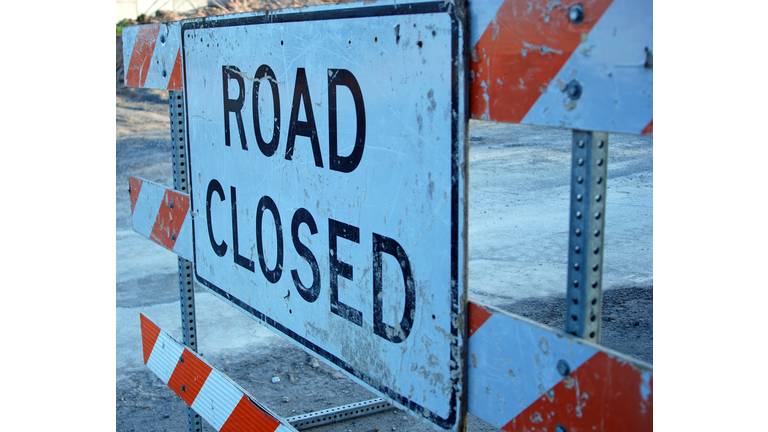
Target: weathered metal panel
[
  {"x": 161, "y": 215},
  {"x": 327, "y": 154},
  {"x": 524, "y": 376},
  {"x": 221, "y": 402},
  {"x": 152, "y": 56},
  {"x": 586, "y": 65}
]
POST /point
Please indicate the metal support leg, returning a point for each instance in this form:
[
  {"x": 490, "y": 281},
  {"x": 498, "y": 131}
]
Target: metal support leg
[
  {"x": 186, "y": 286},
  {"x": 589, "y": 175}
]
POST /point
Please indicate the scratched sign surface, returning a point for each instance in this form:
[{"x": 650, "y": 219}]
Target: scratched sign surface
[{"x": 327, "y": 162}]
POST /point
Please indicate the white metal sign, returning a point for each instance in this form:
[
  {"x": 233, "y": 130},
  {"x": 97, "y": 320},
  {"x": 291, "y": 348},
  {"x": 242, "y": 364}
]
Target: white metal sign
[{"x": 327, "y": 161}]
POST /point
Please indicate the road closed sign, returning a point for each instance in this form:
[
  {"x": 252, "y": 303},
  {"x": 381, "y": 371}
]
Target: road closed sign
[{"x": 327, "y": 161}]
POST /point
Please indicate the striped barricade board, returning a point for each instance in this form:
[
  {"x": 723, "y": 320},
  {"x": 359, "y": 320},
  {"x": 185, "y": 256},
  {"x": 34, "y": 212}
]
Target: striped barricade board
[
  {"x": 584, "y": 64},
  {"x": 524, "y": 376},
  {"x": 162, "y": 215},
  {"x": 210, "y": 393}
]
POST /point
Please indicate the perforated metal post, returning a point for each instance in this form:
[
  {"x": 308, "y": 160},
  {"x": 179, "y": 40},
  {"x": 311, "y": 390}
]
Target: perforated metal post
[
  {"x": 589, "y": 175},
  {"x": 180, "y": 183}
]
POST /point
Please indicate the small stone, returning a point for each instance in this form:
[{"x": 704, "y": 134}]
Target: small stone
[
  {"x": 286, "y": 399},
  {"x": 275, "y": 380},
  {"x": 315, "y": 363},
  {"x": 166, "y": 416}
]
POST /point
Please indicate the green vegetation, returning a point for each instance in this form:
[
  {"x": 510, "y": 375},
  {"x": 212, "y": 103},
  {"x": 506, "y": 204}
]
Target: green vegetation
[{"x": 123, "y": 23}]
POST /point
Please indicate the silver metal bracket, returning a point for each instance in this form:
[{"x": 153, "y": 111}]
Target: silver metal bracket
[
  {"x": 344, "y": 412},
  {"x": 589, "y": 175},
  {"x": 186, "y": 283}
]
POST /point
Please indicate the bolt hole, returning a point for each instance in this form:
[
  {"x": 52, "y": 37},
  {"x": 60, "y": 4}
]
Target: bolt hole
[
  {"x": 419, "y": 43},
  {"x": 592, "y": 335}
]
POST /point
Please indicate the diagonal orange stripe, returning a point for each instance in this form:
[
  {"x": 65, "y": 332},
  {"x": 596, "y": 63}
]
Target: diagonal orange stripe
[
  {"x": 134, "y": 185},
  {"x": 141, "y": 56},
  {"x": 477, "y": 317},
  {"x": 248, "y": 417},
  {"x": 520, "y": 53},
  {"x": 648, "y": 130},
  {"x": 169, "y": 219},
  {"x": 188, "y": 377},
  {"x": 175, "y": 82},
  {"x": 603, "y": 394},
  {"x": 149, "y": 334}
]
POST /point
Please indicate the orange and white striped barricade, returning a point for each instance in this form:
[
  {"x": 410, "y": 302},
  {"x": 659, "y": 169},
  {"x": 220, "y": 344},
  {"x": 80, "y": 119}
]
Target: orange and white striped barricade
[
  {"x": 584, "y": 65},
  {"x": 524, "y": 376},
  {"x": 161, "y": 215},
  {"x": 216, "y": 398}
]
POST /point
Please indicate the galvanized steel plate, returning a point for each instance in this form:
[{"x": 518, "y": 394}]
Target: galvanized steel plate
[{"x": 328, "y": 154}]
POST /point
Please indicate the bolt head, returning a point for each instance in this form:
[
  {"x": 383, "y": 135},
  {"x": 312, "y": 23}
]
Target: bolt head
[
  {"x": 563, "y": 368},
  {"x": 576, "y": 14},
  {"x": 573, "y": 89}
]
